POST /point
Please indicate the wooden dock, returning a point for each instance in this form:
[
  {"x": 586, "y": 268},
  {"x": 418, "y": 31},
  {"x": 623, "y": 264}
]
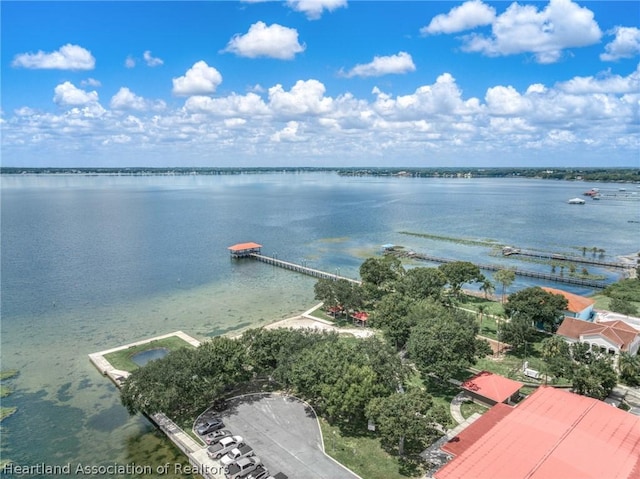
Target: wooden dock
[
  {"x": 520, "y": 272},
  {"x": 316, "y": 273},
  {"x": 564, "y": 257}
]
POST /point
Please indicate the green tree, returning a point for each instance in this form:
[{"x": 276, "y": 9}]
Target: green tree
[
  {"x": 557, "y": 356},
  {"x": 443, "y": 340},
  {"x": 324, "y": 291},
  {"x": 422, "y": 283},
  {"x": 380, "y": 271},
  {"x": 459, "y": 273},
  {"x": 392, "y": 316},
  {"x": 517, "y": 331},
  {"x": 406, "y": 417},
  {"x": 187, "y": 380},
  {"x": 629, "y": 368},
  {"x": 595, "y": 380},
  {"x": 505, "y": 277},
  {"x": 538, "y": 306},
  {"x": 339, "y": 377},
  {"x": 623, "y": 307},
  {"x": 340, "y": 292}
]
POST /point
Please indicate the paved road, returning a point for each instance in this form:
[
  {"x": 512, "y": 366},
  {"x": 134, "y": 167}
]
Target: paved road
[{"x": 285, "y": 435}]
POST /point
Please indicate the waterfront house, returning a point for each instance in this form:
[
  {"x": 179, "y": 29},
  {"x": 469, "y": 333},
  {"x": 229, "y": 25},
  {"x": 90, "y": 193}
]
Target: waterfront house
[
  {"x": 577, "y": 306},
  {"x": 612, "y": 337}
]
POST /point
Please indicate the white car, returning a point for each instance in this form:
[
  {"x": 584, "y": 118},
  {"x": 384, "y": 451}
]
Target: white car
[{"x": 236, "y": 453}]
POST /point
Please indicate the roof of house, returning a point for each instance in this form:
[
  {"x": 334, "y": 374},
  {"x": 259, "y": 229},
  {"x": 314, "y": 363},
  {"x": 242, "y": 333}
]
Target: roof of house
[
  {"x": 553, "y": 434},
  {"x": 492, "y": 386},
  {"x": 244, "y": 246},
  {"x": 576, "y": 303},
  {"x": 617, "y": 332}
]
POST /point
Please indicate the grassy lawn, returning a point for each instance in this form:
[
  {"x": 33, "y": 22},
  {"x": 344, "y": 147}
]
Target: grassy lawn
[
  {"x": 122, "y": 359},
  {"x": 469, "y": 408},
  {"x": 490, "y": 307},
  {"x": 364, "y": 455}
]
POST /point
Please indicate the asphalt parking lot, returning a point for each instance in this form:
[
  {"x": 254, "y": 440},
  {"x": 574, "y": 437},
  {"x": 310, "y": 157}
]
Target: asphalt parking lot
[{"x": 284, "y": 433}]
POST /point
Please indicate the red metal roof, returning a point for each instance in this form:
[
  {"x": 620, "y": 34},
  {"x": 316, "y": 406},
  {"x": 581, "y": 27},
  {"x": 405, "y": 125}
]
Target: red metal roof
[
  {"x": 554, "y": 434},
  {"x": 460, "y": 443},
  {"x": 244, "y": 246},
  {"x": 492, "y": 386},
  {"x": 576, "y": 303}
]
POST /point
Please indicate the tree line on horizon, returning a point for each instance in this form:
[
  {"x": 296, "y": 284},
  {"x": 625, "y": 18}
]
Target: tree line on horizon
[{"x": 604, "y": 174}]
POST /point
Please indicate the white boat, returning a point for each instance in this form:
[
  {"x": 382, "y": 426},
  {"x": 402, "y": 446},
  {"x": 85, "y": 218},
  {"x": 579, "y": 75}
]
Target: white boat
[{"x": 576, "y": 201}]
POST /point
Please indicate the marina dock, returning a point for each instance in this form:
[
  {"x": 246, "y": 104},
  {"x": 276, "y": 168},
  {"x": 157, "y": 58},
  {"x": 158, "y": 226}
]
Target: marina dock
[
  {"x": 508, "y": 251},
  {"x": 519, "y": 272},
  {"x": 252, "y": 250}
]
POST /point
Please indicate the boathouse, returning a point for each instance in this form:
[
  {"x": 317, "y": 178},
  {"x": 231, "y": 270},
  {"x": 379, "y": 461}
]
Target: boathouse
[{"x": 243, "y": 250}]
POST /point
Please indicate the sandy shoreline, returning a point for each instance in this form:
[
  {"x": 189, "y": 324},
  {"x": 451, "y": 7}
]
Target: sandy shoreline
[{"x": 305, "y": 320}]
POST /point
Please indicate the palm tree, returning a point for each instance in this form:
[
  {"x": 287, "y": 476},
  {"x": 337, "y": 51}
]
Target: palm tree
[
  {"x": 629, "y": 369},
  {"x": 487, "y": 287},
  {"x": 506, "y": 278},
  {"x": 481, "y": 309}
]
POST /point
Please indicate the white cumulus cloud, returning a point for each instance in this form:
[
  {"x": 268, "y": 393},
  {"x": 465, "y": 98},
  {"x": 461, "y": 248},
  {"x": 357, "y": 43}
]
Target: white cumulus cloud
[
  {"x": 467, "y": 16},
  {"x": 67, "y": 94},
  {"x": 273, "y": 41},
  {"x": 125, "y": 99},
  {"x": 560, "y": 25},
  {"x": 130, "y": 62},
  {"x": 393, "y": 64},
  {"x": 603, "y": 83},
  {"x": 305, "y": 97},
  {"x": 313, "y": 9},
  {"x": 288, "y": 133},
  {"x": 150, "y": 60},
  {"x": 68, "y": 57},
  {"x": 626, "y": 44},
  {"x": 200, "y": 79}
]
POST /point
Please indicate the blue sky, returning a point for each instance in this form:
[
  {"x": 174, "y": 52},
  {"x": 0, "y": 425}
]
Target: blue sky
[{"x": 320, "y": 83}]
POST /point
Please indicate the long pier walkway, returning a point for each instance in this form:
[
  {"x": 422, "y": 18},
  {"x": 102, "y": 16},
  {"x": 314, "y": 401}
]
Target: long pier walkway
[
  {"x": 563, "y": 257},
  {"x": 520, "y": 272},
  {"x": 300, "y": 268}
]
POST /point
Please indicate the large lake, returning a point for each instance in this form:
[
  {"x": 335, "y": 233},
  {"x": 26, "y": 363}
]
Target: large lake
[{"x": 93, "y": 262}]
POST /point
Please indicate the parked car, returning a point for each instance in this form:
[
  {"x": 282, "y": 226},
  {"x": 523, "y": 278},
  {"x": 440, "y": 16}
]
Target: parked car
[
  {"x": 259, "y": 472},
  {"x": 209, "y": 426},
  {"x": 219, "y": 449},
  {"x": 215, "y": 436},
  {"x": 236, "y": 453},
  {"x": 280, "y": 475},
  {"x": 241, "y": 468}
]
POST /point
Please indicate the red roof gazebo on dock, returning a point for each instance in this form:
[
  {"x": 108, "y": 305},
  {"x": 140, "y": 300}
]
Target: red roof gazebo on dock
[{"x": 242, "y": 250}]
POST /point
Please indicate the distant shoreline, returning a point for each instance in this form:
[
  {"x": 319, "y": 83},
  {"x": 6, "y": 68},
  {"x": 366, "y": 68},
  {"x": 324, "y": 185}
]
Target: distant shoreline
[{"x": 602, "y": 174}]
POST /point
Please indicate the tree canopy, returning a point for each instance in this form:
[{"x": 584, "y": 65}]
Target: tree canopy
[
  {"x": 443, "y": 340},
  {"x": 405, "y": 417},
  {"x": 458, "y": 273},
  {"x": 541, "y": 308}
]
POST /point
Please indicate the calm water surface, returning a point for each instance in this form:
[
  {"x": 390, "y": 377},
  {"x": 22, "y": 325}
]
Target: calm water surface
[{"x": 90, "y": 263}]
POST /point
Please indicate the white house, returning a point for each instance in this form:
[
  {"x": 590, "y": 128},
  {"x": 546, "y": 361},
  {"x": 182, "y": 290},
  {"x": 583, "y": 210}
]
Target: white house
[{"x": 612, "y": 337}]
